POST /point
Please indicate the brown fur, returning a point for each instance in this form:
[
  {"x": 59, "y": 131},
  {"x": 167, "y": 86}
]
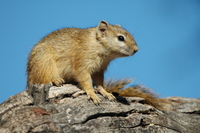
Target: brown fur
[{"x": 79, "y": 55}]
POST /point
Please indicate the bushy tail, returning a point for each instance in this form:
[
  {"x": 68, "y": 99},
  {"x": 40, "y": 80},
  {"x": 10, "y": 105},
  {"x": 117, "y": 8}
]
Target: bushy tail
[{"x": 117, "y": 86}]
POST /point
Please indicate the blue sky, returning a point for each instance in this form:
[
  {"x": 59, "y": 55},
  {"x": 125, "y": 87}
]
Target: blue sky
[{"x": 167, "y": 33}]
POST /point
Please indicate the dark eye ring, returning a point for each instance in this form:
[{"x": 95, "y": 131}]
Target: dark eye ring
[{"x": 121, "y": 38}]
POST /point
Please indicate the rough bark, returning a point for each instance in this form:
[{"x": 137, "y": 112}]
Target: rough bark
[{"x": 65, "y": 114}]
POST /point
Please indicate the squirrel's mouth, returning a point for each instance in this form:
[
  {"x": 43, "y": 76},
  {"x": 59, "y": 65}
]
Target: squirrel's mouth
[
  {"x": 125, "y": 52},
  {"x": 128, "y": 52}
]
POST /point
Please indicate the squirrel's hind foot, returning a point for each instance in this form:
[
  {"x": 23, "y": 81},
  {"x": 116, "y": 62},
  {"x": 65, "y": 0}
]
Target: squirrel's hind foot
[{"x": 58, "y": 81}]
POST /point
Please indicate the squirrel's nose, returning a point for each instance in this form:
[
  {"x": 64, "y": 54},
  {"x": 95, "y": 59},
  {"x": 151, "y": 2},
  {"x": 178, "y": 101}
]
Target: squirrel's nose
[{"x": 136, "y": 49}]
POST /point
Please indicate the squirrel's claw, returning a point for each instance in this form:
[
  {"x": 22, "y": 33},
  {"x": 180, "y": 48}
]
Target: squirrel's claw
[
  {"x": 58, "y": 82},
  {"x": 105, "y": 93},
  {"x": 110, "y": 96},
  {"x": 94, "y": 98}
]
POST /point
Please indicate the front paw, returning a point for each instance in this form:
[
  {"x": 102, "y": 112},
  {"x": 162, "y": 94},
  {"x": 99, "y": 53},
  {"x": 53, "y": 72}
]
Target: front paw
[
  {"x": 94, "y": 98},
  {"x": 110, "y": 96},
  {"x": 103, "y": 92}
]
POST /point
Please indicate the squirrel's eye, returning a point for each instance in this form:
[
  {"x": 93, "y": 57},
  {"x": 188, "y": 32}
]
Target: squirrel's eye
[{"x": 120, "y": 38}]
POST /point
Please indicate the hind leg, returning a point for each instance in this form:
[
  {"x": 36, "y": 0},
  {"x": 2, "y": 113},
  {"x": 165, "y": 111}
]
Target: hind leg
[
  {"x": 42, "y": 72},
  {"x": 42, "y": 68}
]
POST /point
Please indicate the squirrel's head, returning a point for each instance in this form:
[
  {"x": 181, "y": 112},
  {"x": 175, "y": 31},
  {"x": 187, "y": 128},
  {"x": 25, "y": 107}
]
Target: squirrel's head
[{"x": 116, "y": 39}]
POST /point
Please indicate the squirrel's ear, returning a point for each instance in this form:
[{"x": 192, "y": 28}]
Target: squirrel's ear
[
  {"x": 102, "y": 27},
  {"x": 118, "y": 25}
]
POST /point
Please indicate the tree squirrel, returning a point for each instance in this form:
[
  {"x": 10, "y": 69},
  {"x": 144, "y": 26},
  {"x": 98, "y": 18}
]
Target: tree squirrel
[{"x": 77, "y": 55}]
